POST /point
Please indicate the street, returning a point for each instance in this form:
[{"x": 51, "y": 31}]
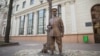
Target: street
[{"x": 33, "y": 49}]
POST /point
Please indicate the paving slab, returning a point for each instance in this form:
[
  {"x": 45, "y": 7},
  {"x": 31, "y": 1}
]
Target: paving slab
[
  {"x": 33, "y": 49},
  {"x": 35, "y": 52}
]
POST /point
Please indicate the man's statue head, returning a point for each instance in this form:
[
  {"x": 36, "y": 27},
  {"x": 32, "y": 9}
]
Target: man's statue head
[{"x": 54, "y": 12}]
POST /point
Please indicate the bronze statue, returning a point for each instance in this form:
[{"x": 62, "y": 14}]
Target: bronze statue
[
  {"x": 56, "y": 31},
  {"x": 55, "y": 34}
]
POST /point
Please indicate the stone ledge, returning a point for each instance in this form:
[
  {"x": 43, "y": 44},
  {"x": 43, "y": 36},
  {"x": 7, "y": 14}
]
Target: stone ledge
[{"x": 9, "y": 44}]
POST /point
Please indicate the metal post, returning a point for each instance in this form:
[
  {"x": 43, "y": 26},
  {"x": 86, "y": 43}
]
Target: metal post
[
  {"x": 50, "y": 16},
  {"x": 50, "y": 8}
]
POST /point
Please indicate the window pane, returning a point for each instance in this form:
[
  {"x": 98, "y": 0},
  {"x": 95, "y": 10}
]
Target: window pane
[
  {"x": 17, "y": 7},
  {"x": 59, "y": 10},
  {"x": 30, "y": 23},
  {"x": 21, "y": 26},
  {"x": 31, "y": 2},
  {"x": 41, "y": 21},
  {"x": 24, "y": 3}
]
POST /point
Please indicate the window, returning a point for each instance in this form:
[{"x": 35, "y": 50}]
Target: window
[
  {"x": 24, "y": 3},
  {"x": 17, "y": 7},
  {"x": 30, "y": 23},
  {"x": 59, "y": 10},
  {"x": 21, "y": 25},
  {"x": 31, "y": 2},
  {"x": 41, "y": 22}
]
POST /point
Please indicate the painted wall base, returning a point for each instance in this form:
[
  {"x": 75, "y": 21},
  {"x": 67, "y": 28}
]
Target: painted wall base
[{"x": 72, "y": 38}]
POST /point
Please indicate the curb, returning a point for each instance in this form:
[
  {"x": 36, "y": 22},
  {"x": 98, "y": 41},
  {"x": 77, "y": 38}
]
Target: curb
[{"x": 9, "y": 44}]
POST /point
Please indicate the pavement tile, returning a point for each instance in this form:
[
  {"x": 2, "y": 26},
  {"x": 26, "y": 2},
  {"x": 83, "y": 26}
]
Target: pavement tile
[{"x": 35, "y": 52}]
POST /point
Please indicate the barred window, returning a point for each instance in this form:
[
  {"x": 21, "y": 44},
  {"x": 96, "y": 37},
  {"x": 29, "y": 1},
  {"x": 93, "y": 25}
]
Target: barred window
[
  {"x": 17, "y": 7},
  {"x": 24, "y": 4},
  {"x": 41, "y": 22},
  {"x": 21, "y": 25},
  {"x": 30, "y": 23},
  {"x": 31, "y": 2},
  {"x": 59, "y": 10}
]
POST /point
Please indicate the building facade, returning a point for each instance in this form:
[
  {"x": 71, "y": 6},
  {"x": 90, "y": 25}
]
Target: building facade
[
  {"x": 30, "y": 20},
  {"x": 3, "y": 16}
]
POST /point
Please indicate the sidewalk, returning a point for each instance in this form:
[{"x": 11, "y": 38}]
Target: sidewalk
[{"x": 33, "y": 49}]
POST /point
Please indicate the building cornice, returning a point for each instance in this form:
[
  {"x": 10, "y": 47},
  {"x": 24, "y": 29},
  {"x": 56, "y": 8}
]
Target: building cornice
[{"x": 34, "y": 8}]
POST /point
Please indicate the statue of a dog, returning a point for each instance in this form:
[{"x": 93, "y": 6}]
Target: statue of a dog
[{"x": 46, "y": 48}]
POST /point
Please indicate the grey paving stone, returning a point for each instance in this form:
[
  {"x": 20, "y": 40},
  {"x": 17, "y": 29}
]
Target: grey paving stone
[{"x": 35, "y": 52}]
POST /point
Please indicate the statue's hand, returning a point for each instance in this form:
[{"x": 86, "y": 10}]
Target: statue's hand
[{"x": 49, "y": 27}]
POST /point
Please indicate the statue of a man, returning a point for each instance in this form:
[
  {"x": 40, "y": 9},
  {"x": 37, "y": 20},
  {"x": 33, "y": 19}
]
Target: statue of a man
[{"x": 56, "y": 31}]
